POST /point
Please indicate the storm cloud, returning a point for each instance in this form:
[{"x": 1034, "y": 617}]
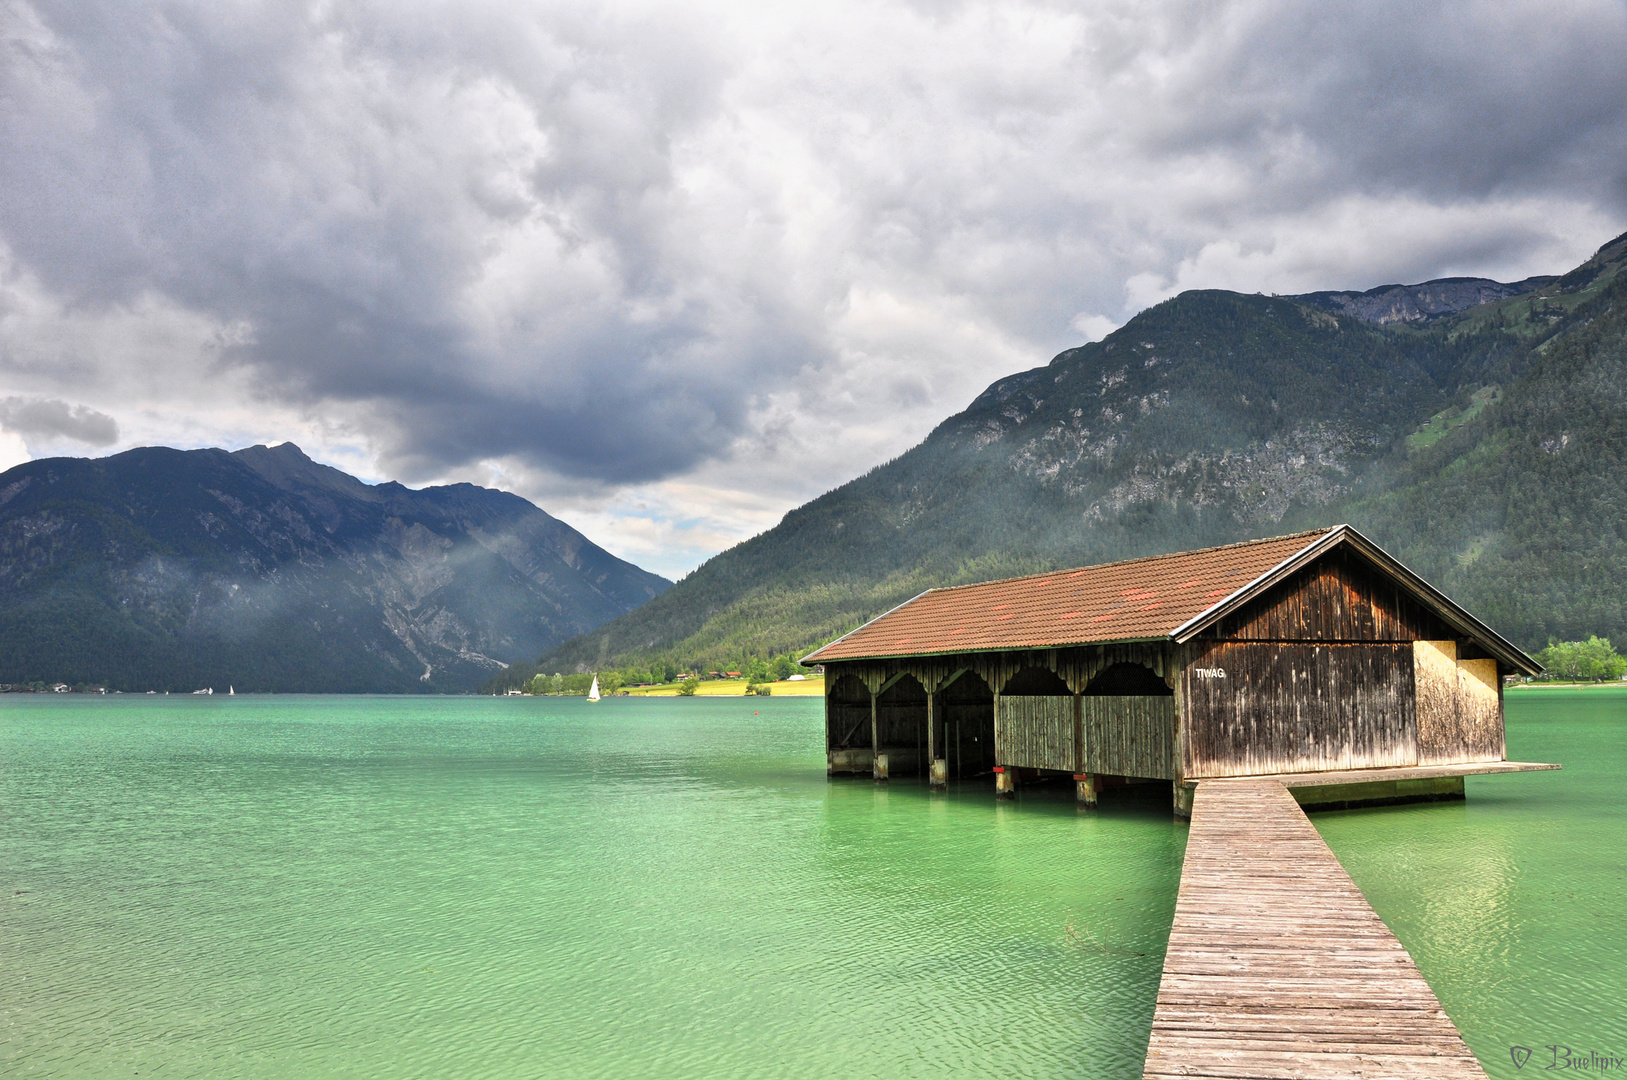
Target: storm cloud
[
  {"x": 648, "y": 260},
  {"x": 58, "y": 420}
]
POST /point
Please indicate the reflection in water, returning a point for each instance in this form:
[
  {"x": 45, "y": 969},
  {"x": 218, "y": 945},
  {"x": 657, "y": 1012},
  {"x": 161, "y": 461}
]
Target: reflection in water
[{"x": 1511, "y": 902}]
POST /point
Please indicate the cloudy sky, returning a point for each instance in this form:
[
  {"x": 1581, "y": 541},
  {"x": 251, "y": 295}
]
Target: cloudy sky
[{"x": 671, "y": 269}]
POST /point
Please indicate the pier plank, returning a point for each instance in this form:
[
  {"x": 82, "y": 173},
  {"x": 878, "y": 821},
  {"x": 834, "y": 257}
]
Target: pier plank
[{"x": 1278, "y": 967}]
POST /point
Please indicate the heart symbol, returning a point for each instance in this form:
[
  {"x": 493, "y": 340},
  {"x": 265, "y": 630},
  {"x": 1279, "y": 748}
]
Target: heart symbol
[{"x": 1520, "y": 1054}]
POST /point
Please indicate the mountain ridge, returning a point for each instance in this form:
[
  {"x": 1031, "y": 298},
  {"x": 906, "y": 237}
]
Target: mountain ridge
[{"x": 167, "y": 569}]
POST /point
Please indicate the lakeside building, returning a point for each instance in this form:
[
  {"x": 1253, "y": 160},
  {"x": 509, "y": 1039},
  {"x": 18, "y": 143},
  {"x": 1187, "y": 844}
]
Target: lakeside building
[{"x": 1314, "y": 658}]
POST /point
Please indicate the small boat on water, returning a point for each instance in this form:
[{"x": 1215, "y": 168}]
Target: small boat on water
[
  {"x": 230, "y": 691},
  {"x": 593, "y": 691}
]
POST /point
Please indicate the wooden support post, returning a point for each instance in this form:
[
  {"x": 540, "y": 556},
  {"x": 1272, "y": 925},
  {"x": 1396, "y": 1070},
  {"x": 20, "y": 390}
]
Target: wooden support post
[
  {"x": 1079, "y": 738},
  {"x": 938, "y": 767},
  {"x": 1005, "y": 782},
  {"x": 1183, "y": 798},
  {"x": 830, "y": 747},
  {"x": 1085, "y": 788},
  {"x": 879, "y": 766}
]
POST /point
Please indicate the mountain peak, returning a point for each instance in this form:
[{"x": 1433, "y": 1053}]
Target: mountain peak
[{"x": 288, "y": 467}]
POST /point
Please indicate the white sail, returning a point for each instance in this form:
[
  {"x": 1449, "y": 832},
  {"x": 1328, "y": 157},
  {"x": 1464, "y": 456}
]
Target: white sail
[{"x": 593, "y": 691}]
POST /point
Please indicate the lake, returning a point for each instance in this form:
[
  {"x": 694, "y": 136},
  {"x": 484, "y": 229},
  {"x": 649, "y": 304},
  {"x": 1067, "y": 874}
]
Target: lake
[{"x": 348, "y": 886}]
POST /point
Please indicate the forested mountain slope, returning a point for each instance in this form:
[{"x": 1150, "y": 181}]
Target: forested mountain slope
[
  {"x": 1475, "y": 427},
  {"x": 261, "y": 569}
]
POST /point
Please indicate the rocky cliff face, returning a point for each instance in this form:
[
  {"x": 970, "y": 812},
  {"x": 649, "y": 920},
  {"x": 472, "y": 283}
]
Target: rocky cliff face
[
  {"x": 265, "y": 570},
  {"x": 1420, "y": 303}
]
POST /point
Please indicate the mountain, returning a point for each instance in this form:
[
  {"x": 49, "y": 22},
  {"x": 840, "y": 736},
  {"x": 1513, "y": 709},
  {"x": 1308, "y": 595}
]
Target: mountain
[
  {"x": 1475, "y": 428},
  {"x": 1420, "y": 303},
  {"x": 261, "y": 569}
]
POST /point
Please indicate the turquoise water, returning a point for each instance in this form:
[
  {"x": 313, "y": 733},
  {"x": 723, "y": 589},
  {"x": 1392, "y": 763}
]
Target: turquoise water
[
  {"x": 304, "y": 887},
  {"x": 301, "y": 887},
  {"x": 1514, "y": 902}
]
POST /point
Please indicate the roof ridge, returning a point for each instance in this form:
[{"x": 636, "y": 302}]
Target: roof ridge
[{"x": 1321, "y": 531}]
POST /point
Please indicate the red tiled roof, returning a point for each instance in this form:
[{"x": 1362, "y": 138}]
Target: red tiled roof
[{"x": 1123, "y": 601}]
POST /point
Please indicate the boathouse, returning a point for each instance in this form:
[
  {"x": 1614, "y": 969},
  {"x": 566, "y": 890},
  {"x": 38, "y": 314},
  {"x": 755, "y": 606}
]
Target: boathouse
[{"x": 1316, "y": 659}]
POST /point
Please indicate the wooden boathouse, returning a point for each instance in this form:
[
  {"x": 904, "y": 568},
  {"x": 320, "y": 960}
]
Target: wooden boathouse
[{"x": 1316, "y": 659}]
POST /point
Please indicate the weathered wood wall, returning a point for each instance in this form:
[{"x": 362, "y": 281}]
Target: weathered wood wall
[
  {"x": 1129, "y": 736},
  {"x": 1480, "y": 710},
  {"x": 1435, "y": 687},
  {"x": 1460, "y": 715},
  {"x": 1364, "y": 693},
  {"x": 1268, "y": 707},
  {"x": 1036, "y": 732},
  {"x": 1340, "y": 597}
]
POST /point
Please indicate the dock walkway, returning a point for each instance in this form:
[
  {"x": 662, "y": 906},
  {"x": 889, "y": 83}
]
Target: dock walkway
[{"x": 1277, "y": 965}]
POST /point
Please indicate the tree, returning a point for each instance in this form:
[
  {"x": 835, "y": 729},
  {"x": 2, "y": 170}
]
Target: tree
[
  {"x": 688, "y": 686},
  {"x": 1594, "y": 658}
]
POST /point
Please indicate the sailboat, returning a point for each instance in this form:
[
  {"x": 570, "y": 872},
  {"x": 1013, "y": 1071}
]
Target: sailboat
[
  {"x": 231, "y": 691},
  {"x": 593, "y": 691}
]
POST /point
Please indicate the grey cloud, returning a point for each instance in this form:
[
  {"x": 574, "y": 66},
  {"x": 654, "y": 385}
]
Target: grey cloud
[
  {"x": 1447, "y": 98},
  {"x": 51, "y": 419},
  {"x": 594, "y": 241}
]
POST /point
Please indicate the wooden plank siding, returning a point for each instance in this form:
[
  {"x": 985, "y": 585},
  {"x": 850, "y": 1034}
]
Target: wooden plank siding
[
  {"x": 1121, "y": 736},
  {"x": 1035, "y": 732},
  {"x": 1340, "y": 597},
  {"x": 1129, "y": 736},
  {"x": 1277, "y": 966},
  {"x": 1327, "y": 671},
  {"x": 1459, "y": 705},
  {"x": 1254, "y": 708}
]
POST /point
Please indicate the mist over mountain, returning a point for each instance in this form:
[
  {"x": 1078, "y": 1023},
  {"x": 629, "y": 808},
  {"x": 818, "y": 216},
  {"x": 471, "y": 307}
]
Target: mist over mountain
[
  {"x": 1476, "y": 428},
  {"x": 261, "y": 569}
]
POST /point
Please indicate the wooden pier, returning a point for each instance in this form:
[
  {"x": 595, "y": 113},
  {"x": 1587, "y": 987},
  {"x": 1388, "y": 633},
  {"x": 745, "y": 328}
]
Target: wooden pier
[{"x": 1277, "y": 965}]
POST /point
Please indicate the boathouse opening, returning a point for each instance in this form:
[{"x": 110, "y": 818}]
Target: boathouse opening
[
  {"x": 901, "y": 723},
  {"x": 848, "y": 727},
  {"x": 1128, "y": 680},
  {"x": 965, "y": 742}
]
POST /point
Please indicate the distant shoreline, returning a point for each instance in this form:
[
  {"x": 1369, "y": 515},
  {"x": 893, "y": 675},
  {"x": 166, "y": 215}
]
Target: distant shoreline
[
  {"x": 812, "y": 686},
  {"x": 1568, "y": 686}
]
